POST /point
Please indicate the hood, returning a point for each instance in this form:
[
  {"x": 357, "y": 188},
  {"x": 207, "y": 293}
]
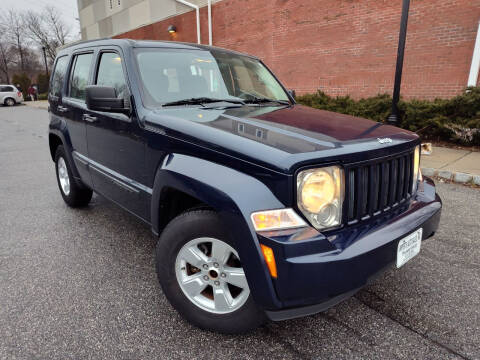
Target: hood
[{"x": 282, "y": 138}]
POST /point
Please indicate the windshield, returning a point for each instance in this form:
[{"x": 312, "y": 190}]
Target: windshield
[{"x": 170, "y": 75}]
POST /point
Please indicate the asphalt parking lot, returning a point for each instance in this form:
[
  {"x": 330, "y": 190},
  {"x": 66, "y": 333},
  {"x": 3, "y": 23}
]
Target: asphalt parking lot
[{"x": 77, "y": 284}]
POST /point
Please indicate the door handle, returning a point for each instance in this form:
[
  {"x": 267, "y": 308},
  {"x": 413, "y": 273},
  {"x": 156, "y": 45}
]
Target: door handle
[
  {"x": 62, "y": 109},
  {"x": 89, "y": 118}
]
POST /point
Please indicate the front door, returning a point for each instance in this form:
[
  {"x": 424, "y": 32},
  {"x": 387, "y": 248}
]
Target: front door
[{"x": 116, "y": 146}]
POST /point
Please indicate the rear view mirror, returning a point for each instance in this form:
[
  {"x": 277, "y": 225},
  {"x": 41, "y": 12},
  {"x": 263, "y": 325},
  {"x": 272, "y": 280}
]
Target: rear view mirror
[
  {"x": 104, "y": 98},
  {"x": 292, "y": 93}
]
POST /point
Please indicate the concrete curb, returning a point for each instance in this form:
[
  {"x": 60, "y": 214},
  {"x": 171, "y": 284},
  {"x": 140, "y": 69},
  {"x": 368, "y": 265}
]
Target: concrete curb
[{"x": 454, "y": 176}]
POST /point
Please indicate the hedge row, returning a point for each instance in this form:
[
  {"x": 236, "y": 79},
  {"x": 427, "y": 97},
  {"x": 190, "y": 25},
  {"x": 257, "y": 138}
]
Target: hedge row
[{"x": 455, "y": 120}]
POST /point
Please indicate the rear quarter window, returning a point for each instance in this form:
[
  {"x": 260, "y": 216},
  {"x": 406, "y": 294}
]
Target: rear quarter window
[
  {"x": 59, "y": 76},
  {"x": 7, "y": 89}
]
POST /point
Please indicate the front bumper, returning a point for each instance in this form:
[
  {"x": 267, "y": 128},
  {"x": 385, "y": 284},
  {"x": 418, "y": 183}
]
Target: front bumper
[{"x": 316, "y": 272}]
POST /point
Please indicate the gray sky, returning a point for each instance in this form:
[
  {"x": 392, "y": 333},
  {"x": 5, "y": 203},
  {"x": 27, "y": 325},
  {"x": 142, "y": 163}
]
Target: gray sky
[{"x": 68, "y": 8}]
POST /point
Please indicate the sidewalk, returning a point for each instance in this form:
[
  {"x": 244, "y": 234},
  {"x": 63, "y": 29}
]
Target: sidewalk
[
  {"x": 41, "y": 104},
  {"x": 461, "y": 166}
]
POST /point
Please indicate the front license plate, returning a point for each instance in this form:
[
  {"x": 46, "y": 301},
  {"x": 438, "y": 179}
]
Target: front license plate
[{"x": 409, "y": 247}]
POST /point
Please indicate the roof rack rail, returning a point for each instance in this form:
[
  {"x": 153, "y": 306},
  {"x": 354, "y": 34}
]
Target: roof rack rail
[{"x": 81, "y": 42}]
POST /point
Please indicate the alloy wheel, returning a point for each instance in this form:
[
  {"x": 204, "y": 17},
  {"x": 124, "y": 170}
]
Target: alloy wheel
[
  {"x": 211, "y": 276},
  {"x": 63, "y": 176}
]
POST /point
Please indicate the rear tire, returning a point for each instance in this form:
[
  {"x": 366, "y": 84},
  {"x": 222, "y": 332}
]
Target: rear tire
[
  {"x": 73, "y": 194},
  {"x": 9, "y": 102},
  {"x": 221, "y": 277}
]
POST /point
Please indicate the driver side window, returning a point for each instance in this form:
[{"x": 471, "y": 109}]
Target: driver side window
[{"x": 110, "y": 73}]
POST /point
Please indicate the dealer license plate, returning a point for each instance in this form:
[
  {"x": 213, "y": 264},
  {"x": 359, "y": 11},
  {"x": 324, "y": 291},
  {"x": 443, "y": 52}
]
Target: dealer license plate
[{"x": 409, "y": 247}]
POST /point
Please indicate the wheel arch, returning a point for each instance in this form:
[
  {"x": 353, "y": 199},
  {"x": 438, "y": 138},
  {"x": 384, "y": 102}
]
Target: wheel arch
[
  {"x": 173, "y": 202},
  {"x": 57, "y": 137},
  {"x": 234, "y": 196},
  {"x": 54, "y": 141}
]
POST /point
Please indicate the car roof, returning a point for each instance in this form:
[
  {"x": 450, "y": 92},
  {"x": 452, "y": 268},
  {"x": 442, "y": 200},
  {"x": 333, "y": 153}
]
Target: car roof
[{"x": 142, "y": 44}]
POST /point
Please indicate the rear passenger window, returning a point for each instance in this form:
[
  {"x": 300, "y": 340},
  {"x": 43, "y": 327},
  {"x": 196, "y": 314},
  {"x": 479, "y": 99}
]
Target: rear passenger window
[
  {"x": 6, "y": 89},
  {"x": 110, "y": 73},
  {"x": 79, "y": 79},
  {"x": 59, "y": 76}
]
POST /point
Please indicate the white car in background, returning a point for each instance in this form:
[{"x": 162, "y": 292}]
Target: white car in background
[{"x": 10, "y": 95}]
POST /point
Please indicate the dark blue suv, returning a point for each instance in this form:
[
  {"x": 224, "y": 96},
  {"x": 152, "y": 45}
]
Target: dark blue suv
[{"x": 264, "y": 209}]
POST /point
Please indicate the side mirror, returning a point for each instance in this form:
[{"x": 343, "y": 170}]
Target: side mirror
[
  {"x": 104, "y": 98},
  {"x": 292, "y": 93}
]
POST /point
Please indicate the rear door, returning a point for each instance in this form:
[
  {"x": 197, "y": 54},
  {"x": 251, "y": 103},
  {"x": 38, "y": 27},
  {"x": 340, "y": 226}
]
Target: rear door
[
  {"x": 7, "y": 91},
  {"x": 116, "y": 145},
  {"x": 60, "y": 111},
  {"x": 3, "y": 91},
  {"x": 73, "y": 107}
]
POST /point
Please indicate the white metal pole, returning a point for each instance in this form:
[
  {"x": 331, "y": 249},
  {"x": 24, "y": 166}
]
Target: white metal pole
[
  {"x": 197, "y": 10},
  {"x": 198, "y": 24},
  {"x": 474, "y": 69},
  {"x": 209, "y": 22}
]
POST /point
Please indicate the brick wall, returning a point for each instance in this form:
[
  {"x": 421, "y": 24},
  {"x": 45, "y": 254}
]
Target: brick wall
[{"x": 343, "y": 46}]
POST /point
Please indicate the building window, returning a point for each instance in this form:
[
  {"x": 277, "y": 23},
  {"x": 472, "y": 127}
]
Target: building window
[
  {"x": 111, "y": 4},
  {"x": 119, "y": 1}
]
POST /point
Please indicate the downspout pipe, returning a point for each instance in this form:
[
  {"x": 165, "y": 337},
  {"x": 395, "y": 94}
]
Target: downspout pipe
[
  {"x": 393, "y": 118},
  {"x": 210, "y": 22},
  {"x": 474, "y": 69},
  {"x": 197, "y": 10}
]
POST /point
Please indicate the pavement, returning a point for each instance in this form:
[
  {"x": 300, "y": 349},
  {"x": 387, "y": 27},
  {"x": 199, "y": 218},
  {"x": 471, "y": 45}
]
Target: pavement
[
  {"x": 462, "y": 166},
  {"x": 40, "y": 104},
  {"x": 81, "y": 284}
]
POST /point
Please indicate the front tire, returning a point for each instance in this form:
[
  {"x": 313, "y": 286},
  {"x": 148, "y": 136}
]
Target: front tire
[
  {"x": 72, "y": 193},
  {"x": 201, "y": 274}
]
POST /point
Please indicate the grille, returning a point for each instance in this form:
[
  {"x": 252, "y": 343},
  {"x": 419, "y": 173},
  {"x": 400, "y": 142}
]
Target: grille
[{"x": 377, "y": 186}]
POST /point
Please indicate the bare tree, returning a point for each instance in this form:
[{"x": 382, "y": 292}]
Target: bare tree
[
  {"x": 60, "y": 31},
  {"x": 6, "y": 55},
  {"x": 47, "y": 29},
  {"x": 13, "y": 28},
  {"x": 5, "y": 60}
]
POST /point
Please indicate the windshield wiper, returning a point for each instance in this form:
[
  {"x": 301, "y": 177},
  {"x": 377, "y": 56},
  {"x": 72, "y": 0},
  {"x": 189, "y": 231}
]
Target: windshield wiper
[
  {"x": 201, "y": 101},
  {"x": 259, "y": 100}
]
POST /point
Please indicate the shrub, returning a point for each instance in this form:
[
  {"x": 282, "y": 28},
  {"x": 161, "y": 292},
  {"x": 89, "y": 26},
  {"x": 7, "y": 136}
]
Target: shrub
[
  {"x": 43, "y": 96},
  {"x": 456, "y": 120},
  {"x": 42, "y": 81},
  {"x": 24, "y": 82}
]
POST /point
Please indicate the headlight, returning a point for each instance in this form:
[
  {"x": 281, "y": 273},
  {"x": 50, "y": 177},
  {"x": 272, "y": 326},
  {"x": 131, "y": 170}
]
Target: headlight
[
  {"x": 416, "y": 168},
  {"x": 320, "y": 194}
]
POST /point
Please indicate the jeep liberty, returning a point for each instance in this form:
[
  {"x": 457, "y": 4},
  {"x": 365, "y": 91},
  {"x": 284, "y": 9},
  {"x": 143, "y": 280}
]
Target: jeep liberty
[{"x": 263, "y": 209}]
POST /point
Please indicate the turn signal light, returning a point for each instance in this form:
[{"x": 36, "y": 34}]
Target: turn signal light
[
  {"x": 270, "y": 260},
  {"x": 276, "y": 220}
]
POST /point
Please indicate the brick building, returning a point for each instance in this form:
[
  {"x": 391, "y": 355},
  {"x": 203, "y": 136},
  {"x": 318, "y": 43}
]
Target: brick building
[{"x": 339, "y": 46}]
